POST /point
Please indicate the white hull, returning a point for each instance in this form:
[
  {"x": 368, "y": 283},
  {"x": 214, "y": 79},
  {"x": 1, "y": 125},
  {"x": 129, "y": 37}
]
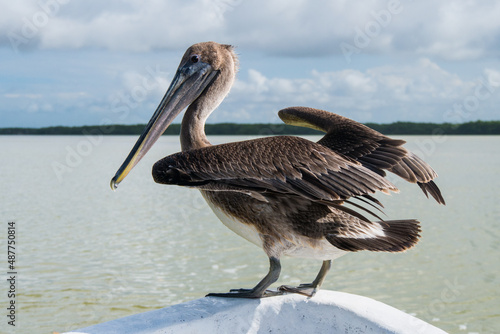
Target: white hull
[{"x": 327, "y": 312}]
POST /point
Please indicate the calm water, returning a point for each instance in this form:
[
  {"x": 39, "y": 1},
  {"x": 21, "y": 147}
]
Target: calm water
[{"x": 88, "y": 255}]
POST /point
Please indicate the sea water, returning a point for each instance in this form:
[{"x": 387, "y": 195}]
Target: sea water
[{"x": 86, "y": 254}]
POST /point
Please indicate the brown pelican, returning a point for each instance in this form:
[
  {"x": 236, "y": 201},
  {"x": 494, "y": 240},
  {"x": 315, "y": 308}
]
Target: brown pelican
[{"x": 285, "y": 194}]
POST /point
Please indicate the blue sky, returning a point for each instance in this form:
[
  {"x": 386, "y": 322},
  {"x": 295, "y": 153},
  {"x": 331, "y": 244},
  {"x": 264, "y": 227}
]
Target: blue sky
[{"x": 68, "y": 62}]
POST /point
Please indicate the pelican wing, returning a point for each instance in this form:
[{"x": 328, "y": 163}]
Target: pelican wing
[
  {"x": 365, "y": 145},
  {"x": 286, "y": 165}
]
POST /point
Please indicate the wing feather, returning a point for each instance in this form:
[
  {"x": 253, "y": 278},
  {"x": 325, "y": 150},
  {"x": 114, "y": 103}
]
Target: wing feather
[
  {"x": 287, "y": 165},
  {"x": 365, "y": 145}
]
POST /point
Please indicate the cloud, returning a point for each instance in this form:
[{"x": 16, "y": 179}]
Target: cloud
[
  {"x": 113, "y": 25},
  {"x": 85, "y": 62},
  {"x": 449, "y": 30},
  {"x": 454, "y": 29},
  {"x": 415, "y": 92},
  {"x": 418, "y": 91}
]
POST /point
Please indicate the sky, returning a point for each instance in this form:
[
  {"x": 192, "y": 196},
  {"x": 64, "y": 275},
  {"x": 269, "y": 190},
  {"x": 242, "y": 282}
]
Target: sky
[{"x": 69, "y": 62}]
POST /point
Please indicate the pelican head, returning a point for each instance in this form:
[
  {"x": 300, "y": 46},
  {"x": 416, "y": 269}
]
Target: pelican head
[{"x": 203, "y": 78}]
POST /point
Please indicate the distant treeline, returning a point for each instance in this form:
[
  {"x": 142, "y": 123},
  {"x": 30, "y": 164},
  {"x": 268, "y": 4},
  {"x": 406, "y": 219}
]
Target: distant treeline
[{"x": 398, "y": 128}]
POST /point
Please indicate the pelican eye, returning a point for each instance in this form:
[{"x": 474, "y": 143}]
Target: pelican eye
[{"x": 195, "y": 58}]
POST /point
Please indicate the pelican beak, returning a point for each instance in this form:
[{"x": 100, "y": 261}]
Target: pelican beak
[{"x": 189, "y": 82}]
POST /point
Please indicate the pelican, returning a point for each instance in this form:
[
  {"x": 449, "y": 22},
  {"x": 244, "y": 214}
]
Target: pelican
[{"x": 288, "y": 195}]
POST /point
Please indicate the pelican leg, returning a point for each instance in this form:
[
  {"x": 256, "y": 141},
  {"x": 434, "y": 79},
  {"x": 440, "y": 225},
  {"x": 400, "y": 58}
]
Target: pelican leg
[
  {"x": 309, "y": 289},
  {"x": 260, "y": 290}
]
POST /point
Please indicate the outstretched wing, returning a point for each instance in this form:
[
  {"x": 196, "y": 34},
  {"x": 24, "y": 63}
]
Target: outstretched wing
[
  {"x": 283, "y": 165},
  {"x": 367, "y": 146}
]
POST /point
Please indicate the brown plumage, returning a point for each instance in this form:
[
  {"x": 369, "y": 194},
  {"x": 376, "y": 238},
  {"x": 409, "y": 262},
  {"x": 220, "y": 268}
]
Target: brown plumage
[
  {"x": 288, "y": 195},
  {"x": 361, "y": 143}
]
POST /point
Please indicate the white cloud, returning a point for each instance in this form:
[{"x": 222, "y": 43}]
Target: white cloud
[
  {"x": 89, "y": 59},
  {"x": 452, "y": 29},
  {"x": 464, "y": 30},
  {"x": 415, "y": 92}
]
